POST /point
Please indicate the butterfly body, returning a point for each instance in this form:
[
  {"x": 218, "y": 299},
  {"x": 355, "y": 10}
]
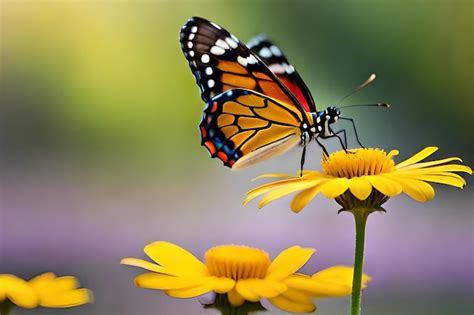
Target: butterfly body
[{"x": 257, "y": 105}]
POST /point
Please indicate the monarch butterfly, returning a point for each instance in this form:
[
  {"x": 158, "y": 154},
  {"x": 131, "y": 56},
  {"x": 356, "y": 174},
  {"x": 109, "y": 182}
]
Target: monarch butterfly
[{"x": 257, "y": 105}]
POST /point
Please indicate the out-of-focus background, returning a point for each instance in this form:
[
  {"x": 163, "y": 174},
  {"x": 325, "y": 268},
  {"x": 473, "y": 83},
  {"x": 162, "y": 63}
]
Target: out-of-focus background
[{"x": 100, "y": 150}]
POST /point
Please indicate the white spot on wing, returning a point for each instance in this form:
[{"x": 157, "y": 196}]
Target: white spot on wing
[
  {"x": 194, "y": 29},
  {"x": 205, "y": 58},
  {"x": 232, "y": 43},
  {"x": 211, "y": 83},
  {"x": 251, "y": 59},
  {"x": 242, "y": 61},
  {"x": 191, "y": 36},
  {"x": 209, "y": 71},
  {"x": 191, "y": 53},
  {"x": 222, "y": 44},
  {"x": 190, "y": 45},
  {"x": 276, "y": 51},
  {"x": 217, "y": 51},
  {"x": 288, "y": 69},
  {"x": 277, "y": 68},
  {"x": 265, "y": 52}
]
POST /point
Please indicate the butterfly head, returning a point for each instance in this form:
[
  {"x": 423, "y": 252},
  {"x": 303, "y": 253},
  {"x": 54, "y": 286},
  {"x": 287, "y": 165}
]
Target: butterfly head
[{"x": 332, "y": 114}]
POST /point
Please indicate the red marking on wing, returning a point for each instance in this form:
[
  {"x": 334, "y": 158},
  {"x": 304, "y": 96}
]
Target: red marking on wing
[
  {"x": 214, "y": 107},
  {"x": 221, "y": 155},
  {"x": 203, "y": 132},
  {"x": 295, "y": 89},
  {"x": 211, "y": 147}
]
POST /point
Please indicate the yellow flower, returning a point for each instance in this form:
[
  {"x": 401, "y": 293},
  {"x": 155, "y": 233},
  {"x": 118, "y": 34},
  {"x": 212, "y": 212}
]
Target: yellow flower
[
  {"x": 364, "y": 178},
  {"x": 17, "y": 291},
  {"x": 242, "y": 273},
  {"x": 59, "y": 292},
  {"x": 44, "y": 290}
]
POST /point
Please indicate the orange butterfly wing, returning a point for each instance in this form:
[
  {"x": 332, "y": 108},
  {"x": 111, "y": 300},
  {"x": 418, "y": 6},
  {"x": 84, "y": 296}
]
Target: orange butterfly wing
[
  {"x": 243, "y": 127},
  {"x": 220, "y": 62}
]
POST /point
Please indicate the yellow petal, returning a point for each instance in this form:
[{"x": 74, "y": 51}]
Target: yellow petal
[
  {"x": 423, "y": 154},
  {"x": 66, "y": 298},
  {"x": 223, "y": 285},
  {"x": 278, "y": 193},
  {"x": 18, "y": 291},
  {"x": 298, "y": 296},
  {"x": 338, "y": 280},
  {"x": 392, "y": 153},
  {"x": 416, "y": 189},
  {"x": 244, "y": 291},
  {"x": 175, "y": 259},
  {"x": 190, "y": 292},
  {"x": 42, "y": 280},
  {"x": 436, "y": 169},
  {"x": 302, "y": 199},
  {"x": 414, "y": 174},
  {"x": 59, "y": 292},
  {"x": 136, "y": 262},
  {"x": 235, "y": 299},
  {"x": 331, "y": 282},
  {"x": 58, "y": 284},
  {"x": 335, "y": 187},
  {"x": 360, "y": 187},
  {"x": 151, "y": 280},
  {"x": 274, "y": 175},
  {"x": 307, "y": 284},
  {"x": 447, "y": 180},
  {"x": 288, "y": 305},
  {"x": 256, "y": 289},
  {"x": 262, "y": 189},
  {"x": 431, "y": 163},
  {"x": 288, "y": 262},
  {"x": 385, "y": 185}
]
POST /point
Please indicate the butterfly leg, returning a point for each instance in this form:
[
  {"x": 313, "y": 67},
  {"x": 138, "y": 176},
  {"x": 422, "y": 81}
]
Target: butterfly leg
[
  {"x": 339, "y": 138},
  {"x": 303, "y": 157},
  {"x": 343, "y": 131},
  {"x": 322, "y": 147},
  {"x": 355, "y": 130}
]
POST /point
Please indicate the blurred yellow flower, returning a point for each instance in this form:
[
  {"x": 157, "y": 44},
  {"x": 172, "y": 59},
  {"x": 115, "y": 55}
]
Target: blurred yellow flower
[
  {"x": 59, "y": 292},
  {"x": 242, "y": 273},
  {"x": 44, "y": 290},
  {"x": 364, "y": 178},
  {"x": 17, "y": 291}
]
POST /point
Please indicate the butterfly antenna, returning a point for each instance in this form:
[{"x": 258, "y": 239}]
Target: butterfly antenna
[
  {"x": 364, "y": 105},
  {"x": 369, "y": 80}
]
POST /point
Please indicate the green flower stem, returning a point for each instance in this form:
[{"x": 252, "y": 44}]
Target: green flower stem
[
  {"x": 360, "y": 217},
  {"x": 221, "y": 303}
]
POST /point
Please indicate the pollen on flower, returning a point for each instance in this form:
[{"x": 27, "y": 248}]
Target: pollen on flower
[
  {"x": 358, "y": 162},
  {"x": 237, "y": 262}
]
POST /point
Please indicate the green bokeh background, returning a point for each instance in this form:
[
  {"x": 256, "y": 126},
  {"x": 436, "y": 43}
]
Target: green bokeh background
[{"x": 97, "y": 103}]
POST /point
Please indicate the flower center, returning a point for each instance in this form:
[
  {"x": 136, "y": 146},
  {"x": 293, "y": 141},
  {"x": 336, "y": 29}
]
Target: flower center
[
  {"x": 237, "y": 262},
  {"x": 358, "y": 162}
]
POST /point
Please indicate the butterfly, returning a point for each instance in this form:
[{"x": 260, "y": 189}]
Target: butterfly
[{"x": 257, "y": 105}]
